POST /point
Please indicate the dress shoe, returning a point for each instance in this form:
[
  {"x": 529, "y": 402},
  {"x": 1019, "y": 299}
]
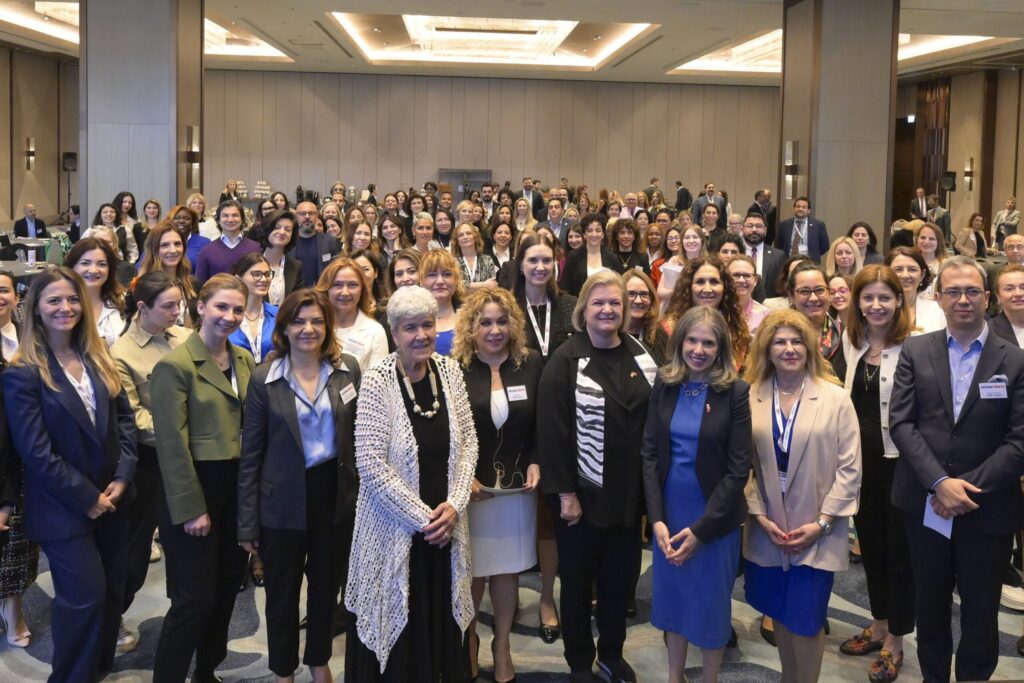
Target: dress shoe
[
  {"x": 585, "y": 677},
  {"x": 886, "y": 668},
  {"x": 548, "y": 633},
  {"x": 126, "y": 640},
  {"x": 617, "y": 671},
  {"x": 733, "y": 638},
  {"x": 207, "y": 677},
  {"x": 767, "y": 633},
  {"x": 860, "y": 644},
  {"x": 1012, "y": 598}
]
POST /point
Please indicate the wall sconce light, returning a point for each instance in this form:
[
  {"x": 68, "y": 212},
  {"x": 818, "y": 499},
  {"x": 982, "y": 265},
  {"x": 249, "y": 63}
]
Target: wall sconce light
[
  {"x": 969, "y": 174},
  {"x": 193, "y": 157},
  {"x": 790, "y": 168},
  {"x": 30, "y": 154}
]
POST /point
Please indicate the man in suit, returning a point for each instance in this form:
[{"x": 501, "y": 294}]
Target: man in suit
[
  {"x": 314, "y": 249},
  {"x": 533, "y": 195},
  {"x": 651, "y": 189},
  {"x": 556, "y": 221},
  {"x": 684, "y": 200},
  {"x": 30, "y": 226},
  {"x": 763, "y": 205},
  {"x": 74, "y": 223},
  {"x": 957, "y": 418},
  {"x": 1006, "y": 221},
  {"x": 803, "y": 234},
  {"x": 919, "y": 205},
  {"x": 767, "y": 261},
  {"x": 487, "y": 200},
  {"x": 708, "y": 197},
  {"x": 940, "y": 217}
]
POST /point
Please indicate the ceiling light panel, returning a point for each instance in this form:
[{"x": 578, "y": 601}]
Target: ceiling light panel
[{"x": 406, "y": 39}]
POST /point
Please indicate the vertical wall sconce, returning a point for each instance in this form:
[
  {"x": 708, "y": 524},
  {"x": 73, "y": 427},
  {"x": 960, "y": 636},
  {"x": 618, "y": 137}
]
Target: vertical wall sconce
[
  {"x": 30, "y": 154},
  {"x": 193, "y": 157},
  {"x": 969, "y": 174},
  {"x": 790, "y": 168}
]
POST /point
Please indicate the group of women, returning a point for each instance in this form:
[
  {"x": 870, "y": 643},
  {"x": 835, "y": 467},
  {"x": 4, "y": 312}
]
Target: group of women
[{"x": 456, "y": 401}]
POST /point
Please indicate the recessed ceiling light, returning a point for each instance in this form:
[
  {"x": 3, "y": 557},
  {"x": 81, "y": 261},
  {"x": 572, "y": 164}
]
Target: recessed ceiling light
[
  {"x": 598, "y": 37},
  {"x": 376, "y": 29}
]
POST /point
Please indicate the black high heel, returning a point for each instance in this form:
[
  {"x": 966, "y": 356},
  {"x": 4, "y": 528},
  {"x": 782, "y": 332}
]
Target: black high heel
[{"x": 548, "y": 634}]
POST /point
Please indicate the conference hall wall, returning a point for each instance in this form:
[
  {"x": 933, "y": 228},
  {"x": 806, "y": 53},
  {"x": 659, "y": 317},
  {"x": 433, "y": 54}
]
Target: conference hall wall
[{"x": 311, "y": 129}]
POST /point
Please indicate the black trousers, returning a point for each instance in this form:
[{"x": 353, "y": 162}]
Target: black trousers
[
  {"x": 88, "y": 585},
  {"x": 609, "y": 556},
  {"x": 973, "y": 564},
  {"x": 203, "y": 575},
  {"x": 317, "y": 552},
  {"x": 141, "y": 523},
  {"x": 884, "y": 548}
]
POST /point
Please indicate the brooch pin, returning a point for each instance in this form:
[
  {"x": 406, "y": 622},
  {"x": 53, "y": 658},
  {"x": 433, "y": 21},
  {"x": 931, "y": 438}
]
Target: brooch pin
[{"x": 632, "y": 375}]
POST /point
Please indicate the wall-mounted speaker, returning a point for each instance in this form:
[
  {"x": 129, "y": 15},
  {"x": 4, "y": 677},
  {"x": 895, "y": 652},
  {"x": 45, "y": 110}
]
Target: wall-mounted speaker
[
  {"x": 948, "y": 181},
  {"x": 70, "y": 160}
]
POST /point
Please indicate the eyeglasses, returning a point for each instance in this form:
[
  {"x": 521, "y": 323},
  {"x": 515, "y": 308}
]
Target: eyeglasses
[
  {"x": 953, "y": 294},
  {"x": 840, "y": 290},
  {"x": 743, "y": 276},
  {"x": 261, "y": 274},
  {"x": 806, "y": 292},
  {"x": 643, "y": 296},
  {"x": 305, "y": 213}
]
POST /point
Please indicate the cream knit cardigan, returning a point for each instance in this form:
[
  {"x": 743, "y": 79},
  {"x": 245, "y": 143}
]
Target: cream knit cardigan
[{"x": 389, "y": 510}]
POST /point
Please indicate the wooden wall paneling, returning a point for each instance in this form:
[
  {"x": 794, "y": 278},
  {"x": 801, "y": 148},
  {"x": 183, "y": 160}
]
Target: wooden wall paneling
[
  {"x": 214, "y": 144},
  {"x": 327, "y": 132},
  {"x": 436, "y": 128},
  {"x": 362, "y": 165},
  {"x": 311, "y": 157},
  {"x": 270, "y": 157},
  {"x": 401, "y": 127},
  {"x": 620, "y": 136},
  {"x": 568, "y": 163},
  {"x": 500, "y": 159},
  {"x": 604, "y": 154},
  {"x": 234, "y": 154},
  {"x": 1006, "y": 113},
  {"x": 474, "y": 125},
  {"x": 549, "y": 130},
  {"x": 510, "y": 119},
  {"x": 34, "y": 80},
  {"x": 583, "y": 135},
  {"x": 289, "y": 132},
  {"x": 529, "y": 129},
  {"x": 7, "y": 211},
  {"x": 692, "y": 115},
  {"x": 252, "y": 104},
  {"x": 68, "y": 142}
]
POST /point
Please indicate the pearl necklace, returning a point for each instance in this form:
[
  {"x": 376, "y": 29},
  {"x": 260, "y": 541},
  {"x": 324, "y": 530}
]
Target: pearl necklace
[{"x": 412, "y": 396}]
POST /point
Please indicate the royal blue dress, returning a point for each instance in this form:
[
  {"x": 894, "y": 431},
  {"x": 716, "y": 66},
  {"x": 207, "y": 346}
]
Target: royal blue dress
[
  {"x": 694, "y": 600},
  {"x": 444, "y": 342},
  {"x": 798, "y": 597}
]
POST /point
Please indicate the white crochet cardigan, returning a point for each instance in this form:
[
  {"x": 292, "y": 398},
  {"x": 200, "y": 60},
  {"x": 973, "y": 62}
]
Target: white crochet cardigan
[{"x": 389, "y": 510}]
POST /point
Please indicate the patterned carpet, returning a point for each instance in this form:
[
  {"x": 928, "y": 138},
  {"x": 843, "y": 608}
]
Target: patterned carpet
[{"x": 753, "y": 661}]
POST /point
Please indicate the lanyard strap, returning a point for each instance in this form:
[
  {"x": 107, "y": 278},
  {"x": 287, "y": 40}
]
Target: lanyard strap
[
  {"x": 543, "y": 340},
  {"x": 785, "y": 429}
]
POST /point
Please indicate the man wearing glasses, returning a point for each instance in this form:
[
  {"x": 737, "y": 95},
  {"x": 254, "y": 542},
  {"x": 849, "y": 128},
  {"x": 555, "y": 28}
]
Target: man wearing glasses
[
  {"x": 767, "y": 259},
  {"x": 957, "y": 418},
  {"x": 313, "y": 249}
]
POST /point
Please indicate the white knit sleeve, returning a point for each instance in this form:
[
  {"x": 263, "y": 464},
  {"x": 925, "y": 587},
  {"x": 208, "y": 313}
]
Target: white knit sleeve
[
  {"x": 374, "y": 432},
  {"x": 465, "y": 467}
]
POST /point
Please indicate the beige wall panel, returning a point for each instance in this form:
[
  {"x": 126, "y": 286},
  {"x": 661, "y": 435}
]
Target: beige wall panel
[
  {"x": 837, "y": 203},
  {"x": 1008, "y": 100},
  {"x": 398, "y": 131},
  {"x": 68, "y": 115},
  {"x": 965, "y": 119},
  {"x": 7, "y": 210},
  {"x": 34, "y": 113}
]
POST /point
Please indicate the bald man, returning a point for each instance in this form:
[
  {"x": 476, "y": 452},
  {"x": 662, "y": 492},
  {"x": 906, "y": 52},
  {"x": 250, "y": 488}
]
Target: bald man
[{"x": 30, "y": 226}]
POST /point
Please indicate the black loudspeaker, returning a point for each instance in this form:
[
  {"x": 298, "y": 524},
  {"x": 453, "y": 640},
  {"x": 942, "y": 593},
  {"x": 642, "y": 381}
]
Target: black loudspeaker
[
  {"x": 70, "y": 161},
  {"x": 948, "y": 181}
]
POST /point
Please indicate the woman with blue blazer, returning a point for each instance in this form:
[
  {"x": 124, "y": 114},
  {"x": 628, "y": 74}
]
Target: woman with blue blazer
[
  {"x": 256, "y": 332},
  {"x": 297, "y": 481},
  {"x": 75, "y": 434}
]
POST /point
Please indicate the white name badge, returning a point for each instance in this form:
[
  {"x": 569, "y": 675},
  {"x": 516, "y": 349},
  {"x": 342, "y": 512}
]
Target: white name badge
[
  {"x": 784, "y": 481},
  {"x": 325, "y": 258},
  {"x": 353, "y": 347},
  {"x": 992, "y": 390},
  {"x": 348, "y": 393},
  {"x": 517, "y": 393}
]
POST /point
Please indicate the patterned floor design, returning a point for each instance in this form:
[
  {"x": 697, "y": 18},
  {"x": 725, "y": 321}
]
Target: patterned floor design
[{"x": 753, "y": 661}]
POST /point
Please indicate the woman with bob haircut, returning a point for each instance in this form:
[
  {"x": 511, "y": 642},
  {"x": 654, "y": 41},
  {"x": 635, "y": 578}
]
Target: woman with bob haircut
[
  {"x": 696, "y": 456},
  {"x": 75, "y": 435}
]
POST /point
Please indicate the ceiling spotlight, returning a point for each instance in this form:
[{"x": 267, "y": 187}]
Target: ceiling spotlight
[
  {"x": 376, "y": 29},
  {"x": 598, "y": 37},
  {"x": 385, "y": 43}
]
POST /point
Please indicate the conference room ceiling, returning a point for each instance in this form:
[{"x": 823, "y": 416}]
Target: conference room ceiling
[{"x": 666, "y": 41}]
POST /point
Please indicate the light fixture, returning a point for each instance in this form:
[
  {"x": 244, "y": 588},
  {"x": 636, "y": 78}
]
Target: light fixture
[
  {"x": 220, "y": 42},
  {"x": 911, "y": 118},
  {"x": 790, "y": 169},
  {"x": 969, "y": 174},
  {"x": 193, "y": 156},
  {"x": 30, "y": 154}
]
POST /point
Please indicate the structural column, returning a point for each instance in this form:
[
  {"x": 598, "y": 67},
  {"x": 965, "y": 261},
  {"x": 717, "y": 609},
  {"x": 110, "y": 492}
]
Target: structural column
[
  {"x": 141, "y": 75},
  {"x": 838, "y": 118}
]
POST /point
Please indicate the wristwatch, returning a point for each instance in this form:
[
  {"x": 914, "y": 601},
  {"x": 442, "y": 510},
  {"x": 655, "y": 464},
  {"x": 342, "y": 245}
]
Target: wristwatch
[{"x": 826, "y": 527}]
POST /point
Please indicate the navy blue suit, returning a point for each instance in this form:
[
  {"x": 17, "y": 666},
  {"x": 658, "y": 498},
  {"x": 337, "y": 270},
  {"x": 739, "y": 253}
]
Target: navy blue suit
[
  {"x": 68, "y": 462},
  {"x": 816, "y": 236}
]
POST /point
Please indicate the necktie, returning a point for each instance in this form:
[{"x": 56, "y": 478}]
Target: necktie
[
  {"x": 753, "y": 255},
  {"x": 794, "y": 248}
]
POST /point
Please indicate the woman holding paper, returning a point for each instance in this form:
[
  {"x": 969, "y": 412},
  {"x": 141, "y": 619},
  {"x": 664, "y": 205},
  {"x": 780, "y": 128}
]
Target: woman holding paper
[{"x": 501, "y": 376}]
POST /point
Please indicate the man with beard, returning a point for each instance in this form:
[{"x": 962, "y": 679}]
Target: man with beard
[
  {"x": 313, "y": 249},
  {"x": 767, "y": 260},
  {"x": 487, "y": 200}
]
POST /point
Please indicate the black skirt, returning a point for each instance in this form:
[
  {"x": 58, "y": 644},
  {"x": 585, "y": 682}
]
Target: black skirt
[{"x": 432, "y": 648}]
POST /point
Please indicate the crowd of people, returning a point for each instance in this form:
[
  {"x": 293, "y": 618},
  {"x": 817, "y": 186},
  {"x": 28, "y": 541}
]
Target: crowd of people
[{"x": 409, "y": 402}]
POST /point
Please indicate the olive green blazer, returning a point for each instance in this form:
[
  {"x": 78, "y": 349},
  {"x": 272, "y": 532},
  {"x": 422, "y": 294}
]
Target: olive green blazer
[{"x": 197, "y": 416}]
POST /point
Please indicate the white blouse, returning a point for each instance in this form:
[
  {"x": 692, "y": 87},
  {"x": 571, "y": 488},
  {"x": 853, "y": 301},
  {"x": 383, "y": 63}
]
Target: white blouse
[
  {"x": 110, "y": 324},
  {"x": 85, "y": 390},
  {"x": 276, "y": 293},
  {"x": 365, "y": 341}
]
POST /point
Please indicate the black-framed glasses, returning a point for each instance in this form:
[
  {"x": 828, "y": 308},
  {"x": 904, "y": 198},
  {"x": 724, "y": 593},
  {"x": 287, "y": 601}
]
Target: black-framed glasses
[
  {"x": 953, "y": 294},
  {"x": 643, "y": 296}
]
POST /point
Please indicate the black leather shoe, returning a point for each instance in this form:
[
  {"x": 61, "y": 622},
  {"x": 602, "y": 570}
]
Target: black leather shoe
[
  {"x": 767, "y": 634},
  {"x": 733, "y": 638},
  {"x": 207, "y": 677},
  {"x": 548, "y": 634},
  {"x": 1020, "y": 646},
  {"x": 617, "y": 671}
]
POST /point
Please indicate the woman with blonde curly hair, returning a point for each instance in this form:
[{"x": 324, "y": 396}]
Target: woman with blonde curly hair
[{"x": 501, "y": 376}]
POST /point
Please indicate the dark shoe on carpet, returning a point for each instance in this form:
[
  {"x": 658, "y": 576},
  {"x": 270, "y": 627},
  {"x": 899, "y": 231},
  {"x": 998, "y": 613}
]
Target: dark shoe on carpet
[
  {"x": 733, "y": 638},
  {"x": 855, "y": 558},
  {"x": 549, "y": 633},
  {"x": 617, "y": 671},
  {"x": 828, "y": 629},
  {"x": 631, "y": 608},
  {"x": 767, "y": 633},
  {"x": 886, "y": 668},
  {"x": 1020, "y": 646},
  {"x": 860, "y": 644},
  {"x": 585, "y": 677},
  {"x": 208, "y": 677}
]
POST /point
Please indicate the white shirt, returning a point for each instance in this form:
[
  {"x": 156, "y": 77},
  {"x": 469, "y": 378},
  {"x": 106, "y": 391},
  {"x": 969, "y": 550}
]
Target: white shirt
[
  {"x": 110, "y": 324},
  {"x": 209, "y": 229},
  {"x": 9, "y": 340},
  {"x": 365, "y": 341},
  {"x": 1018, "y": 332},
  {"x": 276, "y": 293},
  {"x": 759, "y": 259},
  {"x": 85, "y": 391},
  {"x": 232, "y": 243}
]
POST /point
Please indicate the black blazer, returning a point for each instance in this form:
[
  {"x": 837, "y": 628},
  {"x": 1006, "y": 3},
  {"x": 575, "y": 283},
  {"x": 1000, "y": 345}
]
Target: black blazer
[
  {"x": 224, "y": 196},
  {"x": 575, "y": 272},
  {"x": 21, "y": 229},
  {"x": 561, "y": 324},
  {"x": 67, "y": 460},
  {"x": 724, "y": 453},
  {"x": 985, "y": 446},
  {"x": 771, "y": 264},
  {"x": 292, "y": 274},
  {"x": 271, "y": 468},
  {"x": 512, "y": 448},
  {"x": 770, "y": 218},
  {"x": 683, "y": 199},
  {"x": 325, "y": 246},
  {"x": 1000, "y": 325}
]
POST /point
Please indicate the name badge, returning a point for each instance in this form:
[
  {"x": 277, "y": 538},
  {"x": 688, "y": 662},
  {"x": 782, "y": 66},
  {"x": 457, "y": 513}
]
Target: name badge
[
  {"x": 348, "y": 393},
  {"x": 784, "y": 481},
  {"x": 353, "y": 347},
  {"x": 517, "y": 393},
  {"x": 992, "y": 390},
  {"x": 325, "y": 258}
]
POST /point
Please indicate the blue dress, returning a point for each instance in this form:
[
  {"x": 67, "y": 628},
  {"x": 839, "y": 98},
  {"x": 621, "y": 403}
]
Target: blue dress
[
  {"x": 444, "y": 342},
  {"x": 798, "y": 597},
  {"x": 694, "y": 600}
]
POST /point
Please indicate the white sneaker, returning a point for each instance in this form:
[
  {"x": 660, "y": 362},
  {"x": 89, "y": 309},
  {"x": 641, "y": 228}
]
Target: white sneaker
[
  {"x": 154, "y": 552},
  {"x": 1013, "y": 598},
  {"x": 126, "y": 640}
]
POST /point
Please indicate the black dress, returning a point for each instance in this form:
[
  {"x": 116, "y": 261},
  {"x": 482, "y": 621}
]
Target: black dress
[{"x": 432, "y": 648}]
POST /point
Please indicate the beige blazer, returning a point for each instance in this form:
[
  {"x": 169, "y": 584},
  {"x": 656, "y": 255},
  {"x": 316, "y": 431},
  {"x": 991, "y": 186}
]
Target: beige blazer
[
  {"x": 967, "y": 244},
  {"x": 824, "y": 476}
]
